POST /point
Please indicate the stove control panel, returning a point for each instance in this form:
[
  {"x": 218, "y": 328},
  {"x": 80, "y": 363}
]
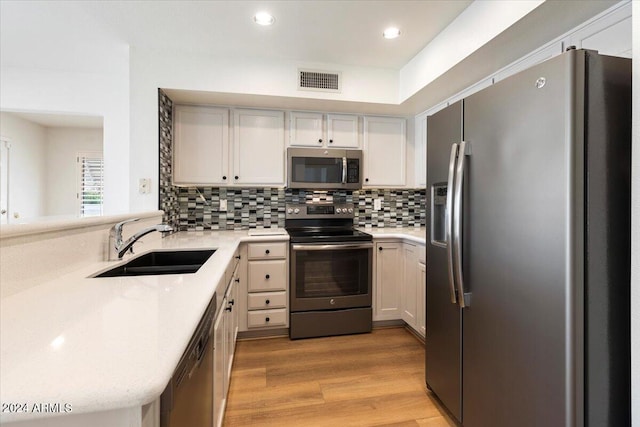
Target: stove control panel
[{"x": 319, "y": 210}]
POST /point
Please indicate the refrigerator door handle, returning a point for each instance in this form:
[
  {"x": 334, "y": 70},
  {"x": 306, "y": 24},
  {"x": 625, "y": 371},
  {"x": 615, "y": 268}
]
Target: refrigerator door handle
[
  {"x": 463, "y": 151},
  {"x": 449, "y": 221}
]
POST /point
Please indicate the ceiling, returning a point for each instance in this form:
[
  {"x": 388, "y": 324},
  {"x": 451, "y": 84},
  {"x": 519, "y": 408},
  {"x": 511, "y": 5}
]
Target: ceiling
[{"x": 328, "y": 31}]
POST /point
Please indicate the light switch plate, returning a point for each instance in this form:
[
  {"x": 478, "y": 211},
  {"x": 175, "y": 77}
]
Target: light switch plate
[
  {"x": 144, "y": 185},
  {"x": 223, "y": 205},
  {"x": 377, "y": 204}
]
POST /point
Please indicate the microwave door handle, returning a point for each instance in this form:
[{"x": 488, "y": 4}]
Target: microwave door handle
[{"x": 344, "y": 170}]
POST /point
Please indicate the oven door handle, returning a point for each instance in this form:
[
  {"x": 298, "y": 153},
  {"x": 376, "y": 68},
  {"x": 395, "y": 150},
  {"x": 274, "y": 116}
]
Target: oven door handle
[{"x": 337, "y": 247}]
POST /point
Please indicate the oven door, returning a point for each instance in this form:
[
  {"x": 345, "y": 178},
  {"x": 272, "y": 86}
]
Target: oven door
[{"x": 330, "y": 276}]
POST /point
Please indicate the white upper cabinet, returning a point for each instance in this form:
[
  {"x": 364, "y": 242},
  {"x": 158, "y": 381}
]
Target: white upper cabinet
[
  {"x": 201, "y": 145},
  {"x": 342, "y": 131},
  {"x": 384, "y": 151},
  {"x": 609, "y": 35},
  {"x": 305, "y": 129},
  {"x": 258, "y": 147},
  {"x": 308, "y": 130}
]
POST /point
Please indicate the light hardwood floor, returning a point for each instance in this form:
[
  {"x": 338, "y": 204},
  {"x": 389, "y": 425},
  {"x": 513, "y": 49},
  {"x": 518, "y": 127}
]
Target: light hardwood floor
[{"x": 356, "y": 380}]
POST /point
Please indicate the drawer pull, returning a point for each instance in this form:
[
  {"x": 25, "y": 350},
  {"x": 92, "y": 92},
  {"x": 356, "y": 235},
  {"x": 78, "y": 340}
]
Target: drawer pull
[
  {"x": 237, "y": 257},
  {"x": 267, "y": 302},
  {"x": 267, "y": 276},
  {"x": 267, "y": 252},
  {"x": 267, "y": 319}
]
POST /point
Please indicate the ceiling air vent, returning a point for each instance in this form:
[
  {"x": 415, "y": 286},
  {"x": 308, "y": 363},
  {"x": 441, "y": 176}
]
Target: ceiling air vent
[{"x": 319, "y": 80}]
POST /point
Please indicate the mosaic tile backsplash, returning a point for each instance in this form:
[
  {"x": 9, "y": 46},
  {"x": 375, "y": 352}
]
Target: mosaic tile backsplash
[
  {"x": 168, "y": 193},
  {"x": 195, "y": 209},
  {"x": 265, "y": 207}
]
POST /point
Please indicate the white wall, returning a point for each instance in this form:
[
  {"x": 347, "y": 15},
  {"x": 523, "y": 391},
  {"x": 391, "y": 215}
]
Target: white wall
[
  {"x": 27, "y": 166},
  {"x": 47, "y": 90},
  {"x": 473, "y": 28},
  {"x": 635, "y": 223},
  {"x": 63, "y": 145},
  {"x": 150, "y": 70},
  {"x": 56, "y": 58}
]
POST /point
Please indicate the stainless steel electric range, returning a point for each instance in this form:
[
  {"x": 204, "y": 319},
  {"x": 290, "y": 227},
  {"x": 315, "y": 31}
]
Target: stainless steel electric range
[{"x": 330, "y": 271}]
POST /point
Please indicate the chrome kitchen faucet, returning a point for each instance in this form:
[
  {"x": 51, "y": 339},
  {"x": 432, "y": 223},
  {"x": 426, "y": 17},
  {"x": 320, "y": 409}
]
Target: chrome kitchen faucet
[{"x": 118, "y": 247}]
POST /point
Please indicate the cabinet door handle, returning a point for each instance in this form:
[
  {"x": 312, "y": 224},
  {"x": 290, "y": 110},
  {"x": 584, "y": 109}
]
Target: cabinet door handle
[
  {"x": 267, "y": 276},
  {"x": 267, "y": 302},
  {"x": 237, "y": 256},
  {"x": 224, "y": 177},
  {"x": 238, "y": 280},
  {"x": 267, "y": 319},
  {"x": 320, "y": 140},
  {"x": 379, "y": 248},
  {"x": 236, "y": 177},
  {"x": 232, "y": 302},
  {"x": 331, "y": 141},
  {"x": 366, "y": 180},
  {"x": 267, "y": 252}
]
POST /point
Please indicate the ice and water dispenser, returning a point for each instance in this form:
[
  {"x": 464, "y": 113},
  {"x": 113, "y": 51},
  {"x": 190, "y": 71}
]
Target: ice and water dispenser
[{"x": 438, "y": 214}]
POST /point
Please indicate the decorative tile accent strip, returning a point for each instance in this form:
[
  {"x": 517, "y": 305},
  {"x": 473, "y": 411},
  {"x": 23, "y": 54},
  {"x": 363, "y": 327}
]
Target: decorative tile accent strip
[{"x": 168, "y": 193}]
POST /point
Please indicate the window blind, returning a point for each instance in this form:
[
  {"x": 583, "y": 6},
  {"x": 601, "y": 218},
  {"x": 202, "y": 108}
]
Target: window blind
[{"x": 91, "y": 185}]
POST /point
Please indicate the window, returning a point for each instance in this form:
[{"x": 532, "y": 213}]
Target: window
[{"x": 90, "y": 183}]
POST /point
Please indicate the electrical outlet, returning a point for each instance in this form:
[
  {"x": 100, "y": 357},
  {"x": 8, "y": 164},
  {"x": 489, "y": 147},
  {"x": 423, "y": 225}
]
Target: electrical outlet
[
  {"x": 144, "y": 185},
  {"x": 223, "y": 205},
  {"x": 377, "y": 204}
]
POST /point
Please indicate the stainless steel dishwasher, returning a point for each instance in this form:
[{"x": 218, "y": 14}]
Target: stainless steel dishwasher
[{"x": 188, "y": 398}]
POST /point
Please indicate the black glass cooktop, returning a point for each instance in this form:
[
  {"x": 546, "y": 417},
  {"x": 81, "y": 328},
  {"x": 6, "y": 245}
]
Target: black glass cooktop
[{"x": 327, "y": 234}]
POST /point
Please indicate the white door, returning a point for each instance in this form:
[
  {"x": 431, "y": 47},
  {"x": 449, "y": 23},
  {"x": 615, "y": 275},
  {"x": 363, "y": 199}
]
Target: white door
[
  {"x": 258, "y": 147},
  {"x": 305, "y": 129},
  {"x": 409, "y": 291},
  {"x": 201, "y": 148},
  {"x": 384, "y": 151},
  {"x": 342, "y": 131},
  {"x": 4, "y": 181},
  {"x": 388, "y": 278}
]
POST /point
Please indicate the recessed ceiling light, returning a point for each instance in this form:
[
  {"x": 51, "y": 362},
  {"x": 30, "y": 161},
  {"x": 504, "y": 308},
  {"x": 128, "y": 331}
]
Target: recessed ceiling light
[
  {"x": 391, "y": 33},
  {"x": 264, "y": 18}
]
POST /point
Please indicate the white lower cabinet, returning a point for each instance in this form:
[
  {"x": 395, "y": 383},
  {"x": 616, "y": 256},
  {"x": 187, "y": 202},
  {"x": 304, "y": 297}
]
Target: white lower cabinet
[
  {"x": 409, "y": 294},
  {"x": 219, "y": 368},
  {"x": 225, "y": 331},
  {"x": 388, "y": 279},
  {"x": 399, "y": 286},
  {"x": 422, "y": 302},
  {"x": 267, "y": 278}
]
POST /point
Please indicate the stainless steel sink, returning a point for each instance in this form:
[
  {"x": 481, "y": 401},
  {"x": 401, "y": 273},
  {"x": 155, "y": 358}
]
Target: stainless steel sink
[{"x": 161, "y": 262}]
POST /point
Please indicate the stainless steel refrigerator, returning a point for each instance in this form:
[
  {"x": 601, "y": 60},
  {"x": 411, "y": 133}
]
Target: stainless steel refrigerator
[{"x": 528, "y": 249}]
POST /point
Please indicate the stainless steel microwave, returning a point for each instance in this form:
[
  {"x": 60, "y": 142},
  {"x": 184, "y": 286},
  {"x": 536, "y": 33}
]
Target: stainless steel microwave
[{"x": 327, "y": 169}]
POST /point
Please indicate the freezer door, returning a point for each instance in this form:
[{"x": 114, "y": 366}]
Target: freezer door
[
  {"x": 444, "y": 327},
  {"x": 517, "y": 253}
]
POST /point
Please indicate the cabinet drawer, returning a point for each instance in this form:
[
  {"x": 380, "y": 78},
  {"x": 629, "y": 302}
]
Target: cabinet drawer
[
  {"x": 267, "y": 276},
  {"x": 264, "y": 300},
  {"x": 267, "y": 318},
  {"x": 267, "y": 250}
]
